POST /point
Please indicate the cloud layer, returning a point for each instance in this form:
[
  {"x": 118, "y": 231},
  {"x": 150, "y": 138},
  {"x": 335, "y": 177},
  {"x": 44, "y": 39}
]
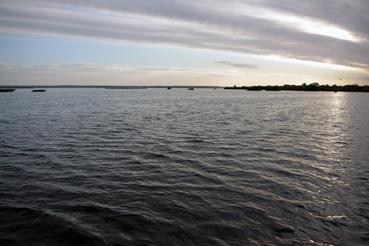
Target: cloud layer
[
  {"x": 237, "y": 65},
  {"x": 319, "y": 30}
]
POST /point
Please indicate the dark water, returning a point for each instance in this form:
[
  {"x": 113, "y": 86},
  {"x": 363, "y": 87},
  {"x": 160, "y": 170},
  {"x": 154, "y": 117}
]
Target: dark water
[{"x": 178, "y": 167}]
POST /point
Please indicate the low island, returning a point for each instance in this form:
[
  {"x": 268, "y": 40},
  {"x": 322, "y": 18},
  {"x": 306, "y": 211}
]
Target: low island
[{"x": 304, "y": 87}]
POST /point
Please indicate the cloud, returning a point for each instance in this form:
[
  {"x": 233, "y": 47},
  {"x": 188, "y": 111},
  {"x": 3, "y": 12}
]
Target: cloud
[
  {"x": 237, "y": 65},
  {"x": 235, "y": 25},
  {"x": 350, "y": 15}
]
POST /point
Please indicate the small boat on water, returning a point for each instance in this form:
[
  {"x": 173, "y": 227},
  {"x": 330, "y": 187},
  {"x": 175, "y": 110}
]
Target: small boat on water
[
  {"x": 38, "y": 90},
  {"x": 169, "y": 88},
  {"x": 7, "y": 90},
  {"x": 190, "y": 89}
]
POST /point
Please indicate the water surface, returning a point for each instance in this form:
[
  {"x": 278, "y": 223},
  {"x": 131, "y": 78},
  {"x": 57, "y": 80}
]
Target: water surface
[{"x": 178, "y": 167}]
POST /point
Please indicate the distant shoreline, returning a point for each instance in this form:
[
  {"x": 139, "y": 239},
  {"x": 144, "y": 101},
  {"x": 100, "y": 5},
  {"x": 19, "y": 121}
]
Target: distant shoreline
[{"x": 304, "y": 87}]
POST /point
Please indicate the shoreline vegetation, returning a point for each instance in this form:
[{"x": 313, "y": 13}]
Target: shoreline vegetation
[{"x": 304, "y": 87}]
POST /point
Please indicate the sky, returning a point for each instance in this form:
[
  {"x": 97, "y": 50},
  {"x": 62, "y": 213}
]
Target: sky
[{"x": 183, "y": 42}]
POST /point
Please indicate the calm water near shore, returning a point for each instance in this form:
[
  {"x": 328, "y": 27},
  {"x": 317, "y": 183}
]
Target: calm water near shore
[{"x": 179, "y": 167}]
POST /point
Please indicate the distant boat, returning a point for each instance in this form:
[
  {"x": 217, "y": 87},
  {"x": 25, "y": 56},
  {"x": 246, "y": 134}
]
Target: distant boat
[
  {"x": 169, "y": 88},
  {"x": 38, "y": 90},
  {"x": 7, "y": 90},
  {"x": 190, "y": 89}
]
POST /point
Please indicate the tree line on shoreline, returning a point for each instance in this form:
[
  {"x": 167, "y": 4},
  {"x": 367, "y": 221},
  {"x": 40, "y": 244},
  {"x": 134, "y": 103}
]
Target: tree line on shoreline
[{"x": 304, "y": 87}]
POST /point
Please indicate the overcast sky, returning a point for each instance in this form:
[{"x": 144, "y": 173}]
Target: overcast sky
[{"x": 179, "y": 42}]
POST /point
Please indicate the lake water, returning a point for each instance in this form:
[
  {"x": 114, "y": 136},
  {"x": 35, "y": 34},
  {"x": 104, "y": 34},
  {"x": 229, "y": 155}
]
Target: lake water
[{"x": 179, "y": 167}]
